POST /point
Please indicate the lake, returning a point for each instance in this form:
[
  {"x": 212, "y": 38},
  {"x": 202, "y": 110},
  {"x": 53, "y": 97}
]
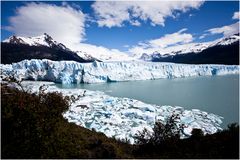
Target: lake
[{"x": 213, "y": 94}]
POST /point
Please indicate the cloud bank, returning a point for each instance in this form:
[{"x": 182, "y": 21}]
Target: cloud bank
[
  {"x": 160, "y": 44},
  {"x": 236, "y": 15},
  {"x": 115, "y": 13},
  {"x": 172, "y": 39},
  {"x": 227, "y": 30}
]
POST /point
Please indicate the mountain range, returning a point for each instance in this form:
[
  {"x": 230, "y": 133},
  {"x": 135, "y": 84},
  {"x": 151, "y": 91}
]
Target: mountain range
[
  {"x": 220, "y": 51},
  {"x": 15, "y": 49}
]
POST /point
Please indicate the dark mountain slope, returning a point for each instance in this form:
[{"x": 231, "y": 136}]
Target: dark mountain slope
[
  {"x": 15, "y": 52},
  {"x": 221, "y": 54}
]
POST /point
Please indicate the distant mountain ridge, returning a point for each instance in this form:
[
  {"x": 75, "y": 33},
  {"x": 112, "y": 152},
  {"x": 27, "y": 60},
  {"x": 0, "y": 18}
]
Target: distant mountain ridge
[
  {"x": 43, "y": 40},
  {"x": 222, "y": 51},
  {"x": 47, "y": 42},
  {"x": 15, "y": 49}
]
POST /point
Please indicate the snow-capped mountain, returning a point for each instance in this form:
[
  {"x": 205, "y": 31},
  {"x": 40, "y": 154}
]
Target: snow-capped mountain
[
  {"x": 220, "y": 51},
  {"x": 103, "y": 55},
  {"x": 192, "y": 48},
  {"x": 43, "y": 40},
  {"x": 228, "y": 40},
  {"x": 174, "y": 50},
  {"x": 100, "y": 53},
  {"x": 85, "y": 51},
  {"x": 15, "y": 49},
  {"x": 195, "y": 47}
]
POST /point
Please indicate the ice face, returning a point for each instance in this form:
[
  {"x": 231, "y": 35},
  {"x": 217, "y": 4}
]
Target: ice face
[
  {"x": 67, "y": 72},
  {"x": 123, "y": 117}
]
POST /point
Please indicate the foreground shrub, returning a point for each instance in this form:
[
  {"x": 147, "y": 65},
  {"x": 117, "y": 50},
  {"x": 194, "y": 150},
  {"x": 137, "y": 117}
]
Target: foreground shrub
[
  {"x": 33, "y": 127},
  {"x": 165, "y": 142},
  {"x": 171, "y": 130}
]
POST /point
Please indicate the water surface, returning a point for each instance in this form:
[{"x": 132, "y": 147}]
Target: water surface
[{"x": 213, "y": 94}]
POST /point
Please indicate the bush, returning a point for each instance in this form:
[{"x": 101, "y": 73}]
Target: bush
[
  {"x": 33, "y": 127},
  {"x": 196, "y": 133},
  {"x": 165, "y": 142},
  {"x": 161, "y": 132}
]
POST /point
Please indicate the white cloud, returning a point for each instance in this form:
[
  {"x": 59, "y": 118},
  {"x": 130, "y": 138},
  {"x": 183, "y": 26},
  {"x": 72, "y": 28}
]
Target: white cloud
[
  {"x": 135, "y": 23},
  {"x": 160, "y": 44},
  {"x": 64, "y": 23},
  {"x": 115, "y": 13},
  {"x": 236, "y": 15},
  {"x": 137, "y": 51},
  {"x": 101, "y": 52},
  {"x": 191, "y": 15},
  {"x": 227, "y": 30},
  {"x": 172, "y": 39},
  {"x": 203, "y": 36}
]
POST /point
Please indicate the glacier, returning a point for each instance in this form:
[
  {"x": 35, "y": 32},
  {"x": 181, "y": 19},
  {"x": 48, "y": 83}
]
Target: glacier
[
  {"x": 122, "y": 118},
  {"x": 67, "y": 72}
]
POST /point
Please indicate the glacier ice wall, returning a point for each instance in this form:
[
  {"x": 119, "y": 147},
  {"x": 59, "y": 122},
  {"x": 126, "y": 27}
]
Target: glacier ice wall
[{"x": 67, "y": 72}]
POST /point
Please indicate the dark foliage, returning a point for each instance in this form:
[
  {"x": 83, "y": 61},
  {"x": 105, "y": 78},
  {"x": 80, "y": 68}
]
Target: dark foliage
[
  {"x": 220, "y": 54},
  {"x": 165, "y": 143},
  {"x": 11, "y": 53},
  {"x": 161, "y": 132},
  {"x": 33, "y": 127}
]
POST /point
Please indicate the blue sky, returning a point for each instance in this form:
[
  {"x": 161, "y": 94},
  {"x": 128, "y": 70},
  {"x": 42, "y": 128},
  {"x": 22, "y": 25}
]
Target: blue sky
[{"x": 96, "y": 28}]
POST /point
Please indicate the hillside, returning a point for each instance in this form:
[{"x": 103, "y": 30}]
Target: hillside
[
  {"x": 15, "y": 49},
  {"x": 11, "y": 53},
  {"x": 220, "y": 51},
  {"x": 45, "y": 47},
  {"x": 221, "y": 54}
]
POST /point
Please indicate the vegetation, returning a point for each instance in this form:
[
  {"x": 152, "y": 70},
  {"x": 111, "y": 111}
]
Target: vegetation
[
  {"x": 165, "y": 142},
  {"x": 161, "y": 132},
  {"x": 33, "y": 127}
]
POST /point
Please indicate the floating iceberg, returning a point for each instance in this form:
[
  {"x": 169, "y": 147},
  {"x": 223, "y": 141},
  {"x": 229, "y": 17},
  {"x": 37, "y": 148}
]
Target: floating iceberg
[
  {"x": 67, "y": 72},
  {"x": 123, "y": 117}
]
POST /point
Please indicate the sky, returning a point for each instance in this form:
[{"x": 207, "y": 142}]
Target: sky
[{"x": 121, "y": 26}]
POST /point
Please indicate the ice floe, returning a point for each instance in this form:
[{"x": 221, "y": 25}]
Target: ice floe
[{"x": 123, "y": 117}]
